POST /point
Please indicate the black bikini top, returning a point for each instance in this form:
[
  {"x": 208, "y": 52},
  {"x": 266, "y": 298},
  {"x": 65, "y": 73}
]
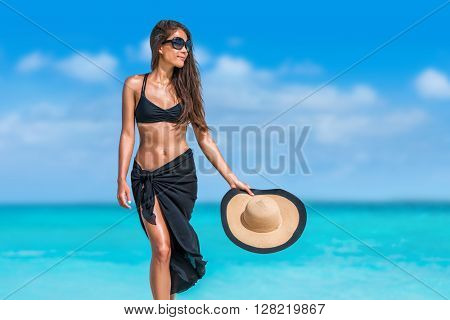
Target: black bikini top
[{"x": 147, "y": 111}]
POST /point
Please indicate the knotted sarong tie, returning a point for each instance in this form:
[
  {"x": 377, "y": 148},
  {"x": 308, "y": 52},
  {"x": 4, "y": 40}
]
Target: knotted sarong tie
[{"x": 147, "y": 196}]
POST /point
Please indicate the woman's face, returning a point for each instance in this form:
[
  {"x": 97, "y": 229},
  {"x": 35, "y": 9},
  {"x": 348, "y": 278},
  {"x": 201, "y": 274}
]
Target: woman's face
[{"x": 172, "y": 55}]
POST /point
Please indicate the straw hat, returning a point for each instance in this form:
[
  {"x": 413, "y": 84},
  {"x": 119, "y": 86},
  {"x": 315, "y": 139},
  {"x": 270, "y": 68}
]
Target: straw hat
[{"x": 269, "y": 221}]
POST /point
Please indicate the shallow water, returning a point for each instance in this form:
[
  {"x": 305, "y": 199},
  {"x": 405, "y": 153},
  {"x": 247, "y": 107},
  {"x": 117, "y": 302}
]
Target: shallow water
[{"x": 347, "y": 251}]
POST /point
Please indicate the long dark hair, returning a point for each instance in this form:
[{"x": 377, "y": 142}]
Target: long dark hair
[{"x": 186, "y": 80}]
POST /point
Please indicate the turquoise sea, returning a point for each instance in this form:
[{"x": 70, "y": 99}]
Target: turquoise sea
[{"x": 392, "y": 250}]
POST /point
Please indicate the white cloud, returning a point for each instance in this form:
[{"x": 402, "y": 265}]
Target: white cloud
[
  {"x": 231, "y": 66},
  {"x": 432, "y": 83},
  {"x": 93, "y": 70},
  {"x": 32, "y": 62},
  {"x": 332, "y": 128},
  {"x": 235, "y": 83},
  {"x": 50, "y": 125},
  {"x": 202, "y": 55},
  {"x": 140, "y": 52},
  {"x": 89, "y": 67},
  {"x": 331, "y": 97}
]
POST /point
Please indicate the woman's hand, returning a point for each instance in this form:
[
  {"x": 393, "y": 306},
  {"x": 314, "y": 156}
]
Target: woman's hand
[
  {"x": 123, "y": 194},
  {"x": 236, "y": 183}
]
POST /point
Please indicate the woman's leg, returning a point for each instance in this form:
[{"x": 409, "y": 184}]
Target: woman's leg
[{"x": 160, "y": 282}]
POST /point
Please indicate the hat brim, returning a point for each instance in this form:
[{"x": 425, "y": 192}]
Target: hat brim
[{"x": 258, "y": 242}]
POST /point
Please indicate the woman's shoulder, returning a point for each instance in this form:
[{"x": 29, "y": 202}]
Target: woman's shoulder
[{"x": 134, "y": 81}]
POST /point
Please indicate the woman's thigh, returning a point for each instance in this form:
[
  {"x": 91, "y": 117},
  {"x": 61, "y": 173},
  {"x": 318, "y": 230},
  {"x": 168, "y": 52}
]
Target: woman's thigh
[{"x": 158, "y": 234}]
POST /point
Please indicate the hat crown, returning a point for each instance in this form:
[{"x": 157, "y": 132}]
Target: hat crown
[{"x": 261, "y": 214}]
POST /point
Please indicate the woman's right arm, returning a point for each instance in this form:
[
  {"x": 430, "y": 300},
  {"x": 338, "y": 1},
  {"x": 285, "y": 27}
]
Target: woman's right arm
[{"x": 126, "y": 143}]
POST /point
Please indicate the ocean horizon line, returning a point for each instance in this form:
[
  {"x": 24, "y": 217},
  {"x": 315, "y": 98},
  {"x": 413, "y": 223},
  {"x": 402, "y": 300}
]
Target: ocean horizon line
[{"x": 399, "y": 201}]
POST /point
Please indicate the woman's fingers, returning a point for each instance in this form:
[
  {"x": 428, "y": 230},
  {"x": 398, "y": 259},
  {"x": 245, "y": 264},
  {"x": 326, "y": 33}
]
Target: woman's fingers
[
  {"x": 128, "y": 198},
  {"x": 243, "y": 186},
  {"x": 123, "y": 195},
  {"x": 247, "y": 189},
  {"x": 123, "y": 200},
  {"x": 250, "y": 191}
]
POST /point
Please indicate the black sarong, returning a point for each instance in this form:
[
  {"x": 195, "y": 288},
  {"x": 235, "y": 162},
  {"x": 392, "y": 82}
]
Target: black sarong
[{"x": 175, "y": 186}]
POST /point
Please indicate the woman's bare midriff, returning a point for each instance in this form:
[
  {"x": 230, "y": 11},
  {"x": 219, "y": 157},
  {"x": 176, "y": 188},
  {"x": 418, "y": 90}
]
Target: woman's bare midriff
[{"x": 159, "y": 143}]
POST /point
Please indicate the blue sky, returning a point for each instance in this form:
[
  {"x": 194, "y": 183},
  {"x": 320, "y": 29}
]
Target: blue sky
[{"x": 379, "y": 132}]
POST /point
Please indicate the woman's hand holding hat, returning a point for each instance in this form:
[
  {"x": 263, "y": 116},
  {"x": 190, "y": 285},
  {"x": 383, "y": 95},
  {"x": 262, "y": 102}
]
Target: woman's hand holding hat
[{"x": 234, "y": 182}]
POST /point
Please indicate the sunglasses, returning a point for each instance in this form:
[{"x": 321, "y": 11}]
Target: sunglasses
[{"x": 178, "y": 43}]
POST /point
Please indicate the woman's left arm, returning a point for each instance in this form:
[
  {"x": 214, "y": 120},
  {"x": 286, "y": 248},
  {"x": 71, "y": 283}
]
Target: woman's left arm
[{"x": 212, "y": 152}]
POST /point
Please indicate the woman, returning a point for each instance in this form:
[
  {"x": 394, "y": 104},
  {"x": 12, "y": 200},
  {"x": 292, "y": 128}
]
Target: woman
[{"x": 164, "y": 180}]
